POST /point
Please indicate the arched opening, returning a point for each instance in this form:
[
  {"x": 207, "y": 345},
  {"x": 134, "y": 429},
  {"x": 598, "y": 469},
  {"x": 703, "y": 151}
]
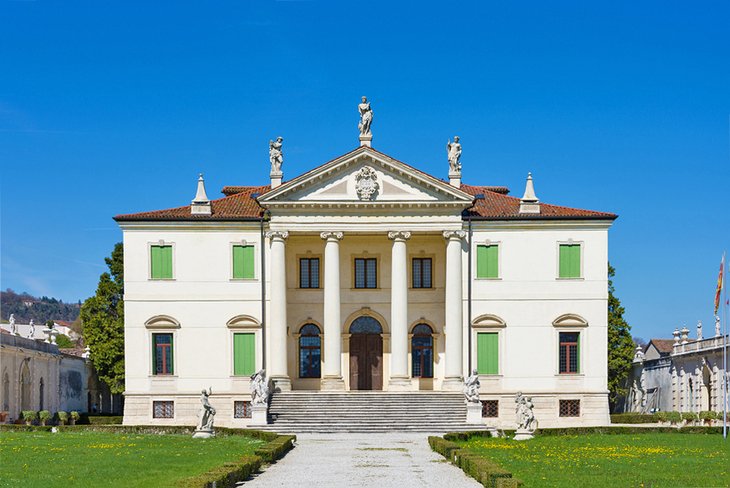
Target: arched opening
[
  {"x": 40, "y": 395},
  {"x": 366, "y": 354},
  {"x": 422, "y": 351},
  {"x": 6, "y": 392},
  {"x": 25, "y": 385},
  {"x": 706, "y": 388},
  {"x": 310, "y": 352}
]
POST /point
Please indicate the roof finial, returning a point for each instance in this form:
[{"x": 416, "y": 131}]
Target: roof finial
[
  {"x": 200, "y": 204},
  {"x": 453, "y": 153},
  {"x": 366, "y": 120},
  {"x": 529, "y": 202},
  {"x": 276, "y": 158}
]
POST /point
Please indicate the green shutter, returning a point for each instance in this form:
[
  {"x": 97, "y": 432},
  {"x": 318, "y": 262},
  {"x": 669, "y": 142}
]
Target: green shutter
[
  {"x": 482, "y": 262},
  {"x": 488, "y": 261},
  {"x": 161, "y": 259},
  {"x": 569, "y": 261},
  {"x": 488, "y": 353},
  {"x": 244, "y": 354},
  {"x": 243, "y": 262}
]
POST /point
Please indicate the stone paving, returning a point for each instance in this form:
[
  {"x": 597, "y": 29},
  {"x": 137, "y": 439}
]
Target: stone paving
[{"x": 379, "y": 460}]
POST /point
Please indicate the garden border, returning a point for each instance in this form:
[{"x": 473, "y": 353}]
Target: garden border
[{"x": 226, "y": 475}]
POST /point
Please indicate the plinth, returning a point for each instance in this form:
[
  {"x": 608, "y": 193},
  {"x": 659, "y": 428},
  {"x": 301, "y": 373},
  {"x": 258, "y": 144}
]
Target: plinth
[
  {"x": 474, "y": 413},
  {"x": 524, "y": 435},
  {"x": 259, "y": 415},
  {"x": 203, "y": 434}
]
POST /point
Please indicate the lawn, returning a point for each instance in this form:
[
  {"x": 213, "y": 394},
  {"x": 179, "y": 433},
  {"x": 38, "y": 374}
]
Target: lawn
[
  {"x": 617, "y": 460},
  {"x": 98, "y": 459}
]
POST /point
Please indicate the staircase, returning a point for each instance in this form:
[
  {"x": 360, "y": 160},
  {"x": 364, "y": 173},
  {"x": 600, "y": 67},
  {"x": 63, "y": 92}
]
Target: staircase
[{"x": 372, "y": 411}]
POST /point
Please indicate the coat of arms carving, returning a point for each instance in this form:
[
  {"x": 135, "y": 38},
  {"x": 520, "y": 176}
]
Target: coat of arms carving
[{"x": 366, "y": 183}]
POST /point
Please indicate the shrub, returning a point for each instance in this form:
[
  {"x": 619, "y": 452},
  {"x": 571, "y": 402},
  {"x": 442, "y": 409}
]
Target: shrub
[
  {"x": 29, "y": 416},
  {"x": 689, "y": 416},
  {"x": 62, "y": 417},
  {"x": 674, "y": 417},
  {"x": 634, "y": 418},
  {"x": 273, "y": 450},
  {"x": 708, "y": 415},
  {"x": 44, "y": 416},
  {"x": 75, "y": 416},
  {"x": 662, "y": 416},
  {"x": 227, "y": 475}
]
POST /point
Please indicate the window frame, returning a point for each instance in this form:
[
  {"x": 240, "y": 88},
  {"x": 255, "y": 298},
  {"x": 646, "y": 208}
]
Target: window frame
[
  {"x": 173, "y": 270},
  {"x": 432, "y": 347},
  {"x": 233, "y": 352},
  {"x": 355, "y": 259},
  {"x": 579, "y": 353},
  {"x": 242, "y": 324},
  {"x": 487, "y": 243},
  {"x": 153, "y": 343},
  {"x": 413, "y": 272},
  {"x": 486, "y": 323},
  {"x": 581, "y": 247},
  {"x": 244, "y": 243},
  {"x": 299, "y": 336},
  {"x": 310, "y": 258},
  {"x": 170, "y": 417}
]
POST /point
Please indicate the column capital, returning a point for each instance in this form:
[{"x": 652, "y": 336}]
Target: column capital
[
  {"x": 277, "y": 234},
  {"x": 402, "y": 235},
  {"x": 454, "y": 234},
  {"x": 338, "y": 236}
]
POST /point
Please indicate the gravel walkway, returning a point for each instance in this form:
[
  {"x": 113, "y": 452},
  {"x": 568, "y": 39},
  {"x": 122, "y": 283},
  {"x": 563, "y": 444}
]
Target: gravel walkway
[{"x": 378, "y": 460}]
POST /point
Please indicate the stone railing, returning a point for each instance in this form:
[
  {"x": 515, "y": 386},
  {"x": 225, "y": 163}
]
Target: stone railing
[
  {"x": 26, "y": 343},
  {"x": 703, "y": 345}
]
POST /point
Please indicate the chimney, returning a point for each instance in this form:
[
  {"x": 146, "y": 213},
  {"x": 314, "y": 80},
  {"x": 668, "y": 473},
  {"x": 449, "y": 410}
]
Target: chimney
[
  {"x": 529, "y": 203},
  {"x": 200, "y": 204}
]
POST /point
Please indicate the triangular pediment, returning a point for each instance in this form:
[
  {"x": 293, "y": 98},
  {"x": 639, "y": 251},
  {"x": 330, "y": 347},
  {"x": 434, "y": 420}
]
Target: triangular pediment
[{"x": 366, "y": 177}]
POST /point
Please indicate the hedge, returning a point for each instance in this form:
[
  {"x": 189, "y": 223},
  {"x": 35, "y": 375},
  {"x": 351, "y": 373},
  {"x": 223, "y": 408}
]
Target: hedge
[
  {"x": 226, "y": 475},
  {"x": 273, "y": 450},
  {"x": 634, "y": 418}
]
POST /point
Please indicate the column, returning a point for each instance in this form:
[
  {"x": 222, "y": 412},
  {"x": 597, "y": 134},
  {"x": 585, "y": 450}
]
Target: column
[
  {"x": 277, "y": 360},
  {"x": 453, "y": 311},
  {"x": 399, "y": 377},
  {"x": 332, "y": 375}
]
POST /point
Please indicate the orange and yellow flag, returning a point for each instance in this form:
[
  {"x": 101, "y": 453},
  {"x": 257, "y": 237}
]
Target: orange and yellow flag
[{"x": 719, "y": 284}]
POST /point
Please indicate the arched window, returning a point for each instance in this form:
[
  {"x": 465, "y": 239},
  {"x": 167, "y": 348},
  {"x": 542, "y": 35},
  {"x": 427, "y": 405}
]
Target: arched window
[
  {"x": 310, "y": 352},
  {"x": 422, "y": 351},
  {"x": 25, "y": 384},
  {"x": 365, "y": 325},
  {"x": 6, "y": 392},
  {"x": 40, "y": 395}
]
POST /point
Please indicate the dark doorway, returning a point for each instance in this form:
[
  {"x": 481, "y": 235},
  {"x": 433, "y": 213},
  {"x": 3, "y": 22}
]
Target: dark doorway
[{"x": 366, "y": 354}]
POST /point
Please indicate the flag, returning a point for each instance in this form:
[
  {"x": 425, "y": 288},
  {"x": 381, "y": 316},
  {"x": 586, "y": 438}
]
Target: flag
[{"x": 719, "y": 284}]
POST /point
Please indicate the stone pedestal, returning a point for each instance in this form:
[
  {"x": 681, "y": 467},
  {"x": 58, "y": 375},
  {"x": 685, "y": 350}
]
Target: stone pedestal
[
  {"x": 259, "y": 415},
  {"x": 366, "y": 140},
  {"x": 275, "y": 178},
  {"x": 474, "y": 413},
  {"x": 335, "y": 383},
  {"x": 400, "y": 383},
  {"x": 524, "y": 435},
  {"x": 281, "y": 383},
  {"x": 203, "y": 434}
]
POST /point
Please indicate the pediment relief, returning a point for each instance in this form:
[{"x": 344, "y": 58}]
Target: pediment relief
[
  {"x": 365, "y": 176},
  {"x": 488, "y": 320}
]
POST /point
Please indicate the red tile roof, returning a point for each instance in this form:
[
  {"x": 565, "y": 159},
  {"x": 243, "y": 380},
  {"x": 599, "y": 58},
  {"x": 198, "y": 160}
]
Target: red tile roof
[
  {"x": 237, "y": 206},
  {"x": 498, "y": 206},
  {"x": 664, "y": 346}
]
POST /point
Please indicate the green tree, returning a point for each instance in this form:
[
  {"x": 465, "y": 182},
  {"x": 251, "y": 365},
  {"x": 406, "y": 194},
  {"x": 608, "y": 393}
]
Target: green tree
[
  {"x": 620, "y": 345},
  {"x": 103, "y": 319}
]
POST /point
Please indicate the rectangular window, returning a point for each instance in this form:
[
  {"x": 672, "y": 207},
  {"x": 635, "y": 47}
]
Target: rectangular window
[
  {"x": 163, "y": 410},
  {"x": 161, "y": 262},
  {"x": 488, "y": 353},
  {"x": 569, "y": 408},
  {"x": 488, "y": 261},
  {"x": 244, "y": 354},
  {"x": 242, "y": 410},
  {"x": 366, "y": 273},
  {"x": 490, "y": 408},
  {"x": 421, "y": 272},
  {"x": 569, "y": 261},
  {"x": 162, "y": 354},
  {"x": 309, "y": 273},
  {"x": 568, "y": 354},
  {"x": 243, "y": 262}
]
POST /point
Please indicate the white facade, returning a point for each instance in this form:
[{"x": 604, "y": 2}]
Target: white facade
[{"x": 327, "y": 214}]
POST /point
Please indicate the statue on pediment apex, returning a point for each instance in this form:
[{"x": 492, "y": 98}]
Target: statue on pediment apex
[
  {"x": 276, "y": 155},
  {"x": 453, "y": 150}
]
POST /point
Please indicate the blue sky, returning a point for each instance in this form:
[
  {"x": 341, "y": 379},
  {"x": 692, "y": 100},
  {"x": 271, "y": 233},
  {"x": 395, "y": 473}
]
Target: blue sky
[{"x": 114, "y": 107}]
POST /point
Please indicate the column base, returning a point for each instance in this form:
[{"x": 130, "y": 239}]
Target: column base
[
  {"x": 332, "y": 383},
  {"x": 400, "y": 383},
  {"x": 281, "y": 383},
  {"x": 453, "y": 384}
]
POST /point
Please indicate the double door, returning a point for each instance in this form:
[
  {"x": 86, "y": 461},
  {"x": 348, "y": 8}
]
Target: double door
[{"x": 366, "y": 362}]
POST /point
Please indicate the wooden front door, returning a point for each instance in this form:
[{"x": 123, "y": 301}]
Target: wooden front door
[{"x": 366, "y": 362}]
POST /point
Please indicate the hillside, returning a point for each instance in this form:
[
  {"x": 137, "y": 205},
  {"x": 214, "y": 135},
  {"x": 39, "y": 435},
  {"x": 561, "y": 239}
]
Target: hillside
[{"x": 40, "y": 309}]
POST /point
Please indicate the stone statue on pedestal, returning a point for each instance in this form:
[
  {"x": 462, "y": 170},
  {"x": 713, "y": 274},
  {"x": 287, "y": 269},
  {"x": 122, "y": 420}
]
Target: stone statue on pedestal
[
  {"x": 526, "y": 421},
  {"x": 718, "y": 332},
  {"x": 276, "y": 154},
  {"x": 13, "y": 327},
  {"x": 31, "y": 329},
  {"x": 471, "y": 388},
  {"x": 366, "y": 117},
  {"x": 453, "y": 150},
  {"x": 699, "y": 330},
  {"x": 206, "y": 414},
  {"x": 259, "y": 388}
]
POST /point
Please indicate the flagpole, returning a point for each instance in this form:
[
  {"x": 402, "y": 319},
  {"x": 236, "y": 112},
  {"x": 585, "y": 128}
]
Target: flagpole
[{"x": 724, "y": 346}]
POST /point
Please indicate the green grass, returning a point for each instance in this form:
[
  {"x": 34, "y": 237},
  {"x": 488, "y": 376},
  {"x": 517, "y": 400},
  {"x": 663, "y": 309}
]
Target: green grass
[
  {"x": 99, "y": 459},
  {"x": 595, "y": 460}
]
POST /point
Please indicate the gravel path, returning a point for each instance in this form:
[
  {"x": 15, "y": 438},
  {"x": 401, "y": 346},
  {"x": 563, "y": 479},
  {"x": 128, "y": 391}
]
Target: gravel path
[{"x": 378, "y": 460}]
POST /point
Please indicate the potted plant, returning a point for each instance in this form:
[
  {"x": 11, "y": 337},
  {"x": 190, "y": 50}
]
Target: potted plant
[
  {"x": 674, "y": 417},
  {"x": 689, "y": 418},
  {"x": 708, "y": 416},
  {"x": 44, "y": 416},
  {"x": 75, "y": 416},
  {"x": 29, "y": 416},
  {"x": 62, "y": 417}
]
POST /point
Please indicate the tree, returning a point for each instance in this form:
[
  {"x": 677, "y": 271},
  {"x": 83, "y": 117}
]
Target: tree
[
  {"x": 620, "y": 345},
  {"x": 103, "y": 319}
]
